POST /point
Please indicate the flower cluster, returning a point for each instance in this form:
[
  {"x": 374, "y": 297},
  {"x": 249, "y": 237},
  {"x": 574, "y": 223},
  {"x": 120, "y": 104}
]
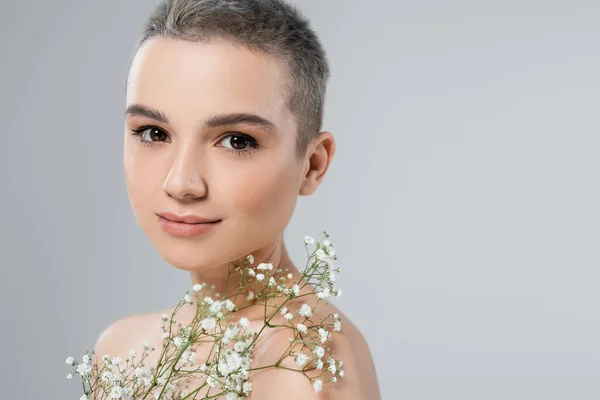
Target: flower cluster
[{"x": 227, "y": 369}]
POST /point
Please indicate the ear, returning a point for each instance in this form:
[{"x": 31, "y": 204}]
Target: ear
[{"x": 318, "y": 157}]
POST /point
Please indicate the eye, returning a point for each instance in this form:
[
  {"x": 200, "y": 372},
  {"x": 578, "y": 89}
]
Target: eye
[
  {"x": 240, "y": 143},
  {"x": 153, "y": 133}
]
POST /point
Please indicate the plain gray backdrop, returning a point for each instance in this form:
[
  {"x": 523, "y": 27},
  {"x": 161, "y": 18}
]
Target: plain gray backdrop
[{"x": 462, "y": 200}]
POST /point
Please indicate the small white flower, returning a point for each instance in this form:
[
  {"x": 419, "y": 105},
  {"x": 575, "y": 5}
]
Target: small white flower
[
  {"x": 244, "y": 322},
  {"x": 69, "y": 376},
  {"x": 117, "y": 361},
  {"x": 250, "y": 259},
  {"x": 288, "y": 316},
  {"x": 83, "y": 397},
  {"x": 260, "y": 277},
  {"x": 337, "y": 326},
  {"x": 250, "y": 295},
  {"x": 319, "y": 364},
  {"x": 208, "y": 300},
  {"x": 197, "y": 287},
  {"x": 321, "y": 255},
  {"x": 302, "y": 328},
  {"x": 283, "y": 311},
  {"x": 339, "y": 293},
  {"x": 86, "y": 359},
  {"x": 70, "y": 360},
  {"x": 247, "y": 387},
  {"x": 318, "y": 385},
  {"x": 265, "y": 266},
  {"x": 323, "y": 335},
  {"x": 216, "y": 306},
  {"x": 208, "y": 323},
  {"x": 212, "y": 382},
  {"x": 229, "y": 305},
  {"x": 301, "y": 359},
  {"x": 116, "y": 392},
  {"x": 326, "y": 243},
  {"x": 272, "y": 281},
  {"x": 251, "y": 272},
  {"x": 324, "y": 294},
  {"x": 332, "y": 368},
  {"x": 296, "y": 289},
  {"x": 309, "y": 240},
  {"x": 305, "y": 311},
  {"x": 147, "y": 346},
  {"x": 231, "y": 396},
  {"x": 333, "y": 379},
  {"x": 341, "y": 373},
  {"x": 290, "y": 276},
  {"x": 187, "y": 298},
  {"x": 132, "y": 353},
  {"x": 319, "y": 351}
]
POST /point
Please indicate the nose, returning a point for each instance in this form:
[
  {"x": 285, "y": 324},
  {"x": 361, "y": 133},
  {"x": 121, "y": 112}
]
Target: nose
[{"x": 184, "y": 181}]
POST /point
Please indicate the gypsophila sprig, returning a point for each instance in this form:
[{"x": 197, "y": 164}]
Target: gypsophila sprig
[{"x": 227, "y": 369}]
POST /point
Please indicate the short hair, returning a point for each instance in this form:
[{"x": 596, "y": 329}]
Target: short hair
[{"x": 274, "y": 27}]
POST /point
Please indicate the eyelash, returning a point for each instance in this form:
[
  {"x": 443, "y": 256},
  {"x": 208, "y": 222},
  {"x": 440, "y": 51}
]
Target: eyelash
[{"x": 253, "y": 143}]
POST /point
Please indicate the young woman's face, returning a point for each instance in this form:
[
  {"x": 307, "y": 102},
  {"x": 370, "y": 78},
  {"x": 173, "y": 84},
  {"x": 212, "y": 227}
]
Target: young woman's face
[{"x": 187, "y": 162}]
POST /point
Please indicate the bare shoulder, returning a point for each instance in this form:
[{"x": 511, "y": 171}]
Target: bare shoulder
[
  {"x": 356, "y": 378},
  {"x": 122, "y": 335}
]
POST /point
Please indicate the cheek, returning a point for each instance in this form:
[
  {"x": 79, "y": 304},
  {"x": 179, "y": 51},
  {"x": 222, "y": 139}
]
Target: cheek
[{"x": 267, "y": 194}]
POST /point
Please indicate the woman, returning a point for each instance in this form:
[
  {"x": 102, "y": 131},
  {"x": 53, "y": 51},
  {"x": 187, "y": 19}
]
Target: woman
[{"x": 224, "y": 106}]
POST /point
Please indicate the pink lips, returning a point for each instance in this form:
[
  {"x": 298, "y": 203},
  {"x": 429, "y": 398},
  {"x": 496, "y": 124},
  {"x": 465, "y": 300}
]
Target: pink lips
[{"x": 185, "y": 225}]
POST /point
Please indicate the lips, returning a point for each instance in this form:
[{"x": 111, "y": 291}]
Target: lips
[{"x": 188, "y": 219}]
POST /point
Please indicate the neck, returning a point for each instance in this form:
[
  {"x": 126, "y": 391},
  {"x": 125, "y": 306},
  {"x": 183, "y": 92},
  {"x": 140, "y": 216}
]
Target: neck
[{"x": 228, "y": 284}]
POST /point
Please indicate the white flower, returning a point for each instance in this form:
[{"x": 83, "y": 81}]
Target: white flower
[
  {"x": 324, "y": 294},
  {"x": 331, "y": 276},
  {"x": 247, "y": 387},
  {"x": 309, "y": 240},
  {"x": 69, "y": 376},
  {"x": 117, "y": 361},
  {"x": 323, "y": 334},
  {"x": 216, "y": 306},
  {"x": 70, "y": 360},
  {"x": 272, "y": 281},
  {"x": 260, "y": 277},
  {"x": 319, "y": 364},
  {"x": 147, "y": 346},
  {"x": 290, "y": 276},
  {"x": 332, "y": 367},
  {"x": 326, "y": 243},
  {"x": 116, "y": 392},
  {"x": 251, "y": 272},
  {"x": 318, "y": 385},
  {"x": 229, "y": 305},
  {"x": 208, "y": 300},
  {"x": 341, "y": 373},
  {"x": 197, "y": 287},
  {"x": 319, "y": 351},
  {"x": 208, "y": 323},
  {"x": 265, "y": 266},
  {"x": 86, "y": 359},
  {"x": 283, "y": 311},
  {"x": 250, "y": 259},
  {"x": 305, "y": 311},
  {"x": 107, "y": 376},
  {"x": 132, "y": 353},
  {"x": 302, "y": 328},
  {"x": 321, "y": 255},
  {"x": 187, "y": 298},
  {"x": 83, "y": 397},
  {"x": 288, "y": 316},
  {"x": 212, "y": 382},
  {"x": 179, "y": 341},
  {"x": 250, "y": 295},
  {"x": 231, "y": 396},
  {"x": 296, "y": 289},
  {"x": 301, "y": 359},
  {"x": 333, "y": 379},
  {"x": 244, "y": 322},
  {"x": 337, "y": 326}
]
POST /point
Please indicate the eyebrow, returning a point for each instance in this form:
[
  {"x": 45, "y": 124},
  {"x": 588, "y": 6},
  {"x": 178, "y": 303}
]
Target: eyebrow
[{"x": 212, "y": 121}]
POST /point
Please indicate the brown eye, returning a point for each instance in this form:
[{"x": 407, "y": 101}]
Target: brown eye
[
  {"x": 155, "y": 135},
  {"x": 239, "y": 143}
]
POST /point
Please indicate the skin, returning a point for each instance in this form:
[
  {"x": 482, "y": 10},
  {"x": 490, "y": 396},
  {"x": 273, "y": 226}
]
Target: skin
[{"x": 192, "y": 168}]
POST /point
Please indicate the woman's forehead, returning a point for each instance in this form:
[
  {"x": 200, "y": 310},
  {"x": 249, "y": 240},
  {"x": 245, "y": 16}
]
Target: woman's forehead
[{"x": 216, "y": 77}]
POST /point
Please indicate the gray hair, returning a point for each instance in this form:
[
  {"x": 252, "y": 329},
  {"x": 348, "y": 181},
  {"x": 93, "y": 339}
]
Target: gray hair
[{"x": 271, "y": 26}]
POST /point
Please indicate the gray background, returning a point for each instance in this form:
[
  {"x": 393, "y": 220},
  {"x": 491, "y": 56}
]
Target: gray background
[{"x": 462, "y": 201}]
